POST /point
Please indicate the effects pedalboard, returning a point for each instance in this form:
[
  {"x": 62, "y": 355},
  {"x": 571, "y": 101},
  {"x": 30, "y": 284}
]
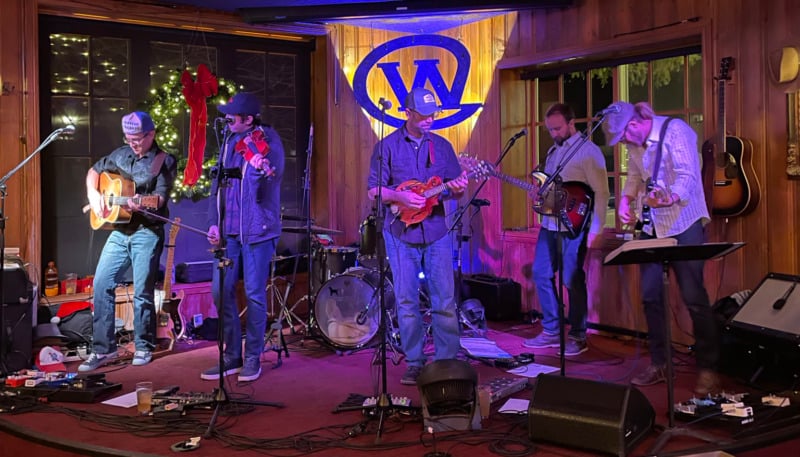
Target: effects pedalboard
[
  {"x": 502, "y": 387},
  {"x": 168, "y": 402}
]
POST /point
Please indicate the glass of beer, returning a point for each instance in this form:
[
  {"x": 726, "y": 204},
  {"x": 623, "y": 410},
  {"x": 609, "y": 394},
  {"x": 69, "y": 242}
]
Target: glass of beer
[{"x": 144, "y": 397}]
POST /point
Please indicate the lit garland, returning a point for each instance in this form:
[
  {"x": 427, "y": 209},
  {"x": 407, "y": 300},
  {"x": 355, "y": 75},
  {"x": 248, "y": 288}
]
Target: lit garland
[{"x": 166, "y": 105}]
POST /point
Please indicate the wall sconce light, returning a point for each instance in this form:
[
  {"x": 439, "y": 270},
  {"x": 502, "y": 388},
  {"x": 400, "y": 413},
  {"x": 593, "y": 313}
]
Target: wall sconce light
[{"x": 448, "y": 390}]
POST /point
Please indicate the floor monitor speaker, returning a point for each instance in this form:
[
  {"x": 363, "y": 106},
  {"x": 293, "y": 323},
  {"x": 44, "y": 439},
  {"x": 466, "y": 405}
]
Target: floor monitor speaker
[{"x": 579, "y": 413}]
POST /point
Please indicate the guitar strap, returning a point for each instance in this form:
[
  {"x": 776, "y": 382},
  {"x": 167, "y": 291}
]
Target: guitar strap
[
  {"x": 657, "y": 163},
  {"x": 158, "y": 161}
]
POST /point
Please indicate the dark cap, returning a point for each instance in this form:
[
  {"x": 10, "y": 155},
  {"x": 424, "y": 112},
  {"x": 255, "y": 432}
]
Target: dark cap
[
  {"x": 242, "y": 103},
  {"x": 422, "y": 101}
]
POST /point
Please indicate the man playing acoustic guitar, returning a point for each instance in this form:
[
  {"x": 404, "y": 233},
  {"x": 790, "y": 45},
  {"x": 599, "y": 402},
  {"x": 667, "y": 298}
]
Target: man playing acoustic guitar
[
  {"x": 137, "y": 242},
  {"x": 415, "y": 159}
]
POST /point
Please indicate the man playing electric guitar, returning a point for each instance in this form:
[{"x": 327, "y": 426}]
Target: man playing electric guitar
[
  {"x": 412, "y": 152},
  {"x": 587, "y": 165},
  {"x": 137, "y": 244}
]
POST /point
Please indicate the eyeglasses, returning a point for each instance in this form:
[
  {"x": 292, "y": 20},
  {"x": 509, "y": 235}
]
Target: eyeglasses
[{"x": 139, "y": 139}]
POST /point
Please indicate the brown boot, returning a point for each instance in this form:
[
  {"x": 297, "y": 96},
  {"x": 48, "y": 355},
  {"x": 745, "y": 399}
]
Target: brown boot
[
  {"x": 652, "y": 375},
  {"x": 707, "y": 383}
]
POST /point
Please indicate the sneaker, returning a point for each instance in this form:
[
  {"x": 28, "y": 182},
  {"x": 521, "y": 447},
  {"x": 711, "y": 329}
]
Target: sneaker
[
  {"x": 543, "y": 340},
  {"x": 251, "y": 370},
  {"x": 707, "y": 383},
  {"x": 654, "y": 374},
  {"x": 96, "y": 361},
  {"x": 141, "y": 358},
  {"x": 573, "y": 347},
  {"x": 410, "y": 376},
  {"x": 213, "y": 373}
]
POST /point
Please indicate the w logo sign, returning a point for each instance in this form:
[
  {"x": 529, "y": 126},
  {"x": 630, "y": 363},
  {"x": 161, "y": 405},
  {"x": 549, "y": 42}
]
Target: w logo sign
[{"x": 427, "y": 71}]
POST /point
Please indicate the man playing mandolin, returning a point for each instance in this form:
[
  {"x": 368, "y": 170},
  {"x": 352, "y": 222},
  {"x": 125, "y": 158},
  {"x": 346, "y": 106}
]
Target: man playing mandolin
[
  {"x": 135, "y": 243},
  {"x": 413, "y": 160}
]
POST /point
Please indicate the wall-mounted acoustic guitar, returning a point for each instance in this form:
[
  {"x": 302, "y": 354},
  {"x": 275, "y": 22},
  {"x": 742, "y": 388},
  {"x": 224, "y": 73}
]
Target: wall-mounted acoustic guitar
[
  {"x": 116, "y": 192},
  {"x": 735, "y": 190}
]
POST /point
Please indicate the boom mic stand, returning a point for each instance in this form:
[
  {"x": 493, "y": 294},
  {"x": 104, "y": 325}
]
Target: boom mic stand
[
  {"x": 555, "y": 181},
  {"x": 224, "y": 175},
  {"x": 6, "y": 333}
]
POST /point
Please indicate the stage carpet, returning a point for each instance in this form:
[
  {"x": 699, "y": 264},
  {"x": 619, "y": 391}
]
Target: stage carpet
[{"x": 315, "y": 380}]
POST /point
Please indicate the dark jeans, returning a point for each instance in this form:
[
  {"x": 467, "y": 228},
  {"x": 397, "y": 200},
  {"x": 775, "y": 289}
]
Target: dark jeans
[{"x": 690, "y": 281}]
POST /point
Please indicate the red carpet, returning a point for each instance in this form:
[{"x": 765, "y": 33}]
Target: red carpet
[{"x": 315, "y": 379}]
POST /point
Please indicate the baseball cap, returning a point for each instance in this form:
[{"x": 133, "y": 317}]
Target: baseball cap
[
  {"x": 137, "y": 122},
  {"x": 50, "y": 359},
  {"x": 619, "y": 113},
  {"x": 422, "y": 101},
  {"x": 242, "y": 103}
]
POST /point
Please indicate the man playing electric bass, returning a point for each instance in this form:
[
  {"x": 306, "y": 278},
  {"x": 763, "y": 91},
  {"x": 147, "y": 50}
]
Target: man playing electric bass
[
  {"x": 586, "y": 166},
  {"x": 137, "y": 243},
  {"x": 413, "y": 154}
]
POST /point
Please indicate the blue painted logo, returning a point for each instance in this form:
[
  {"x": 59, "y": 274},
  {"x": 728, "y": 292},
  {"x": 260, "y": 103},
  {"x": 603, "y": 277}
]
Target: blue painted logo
[{"x": 427, "y": 71}]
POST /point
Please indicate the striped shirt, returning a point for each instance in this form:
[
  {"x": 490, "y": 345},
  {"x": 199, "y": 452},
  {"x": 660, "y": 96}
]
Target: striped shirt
[{"x": 679, "y": 174}]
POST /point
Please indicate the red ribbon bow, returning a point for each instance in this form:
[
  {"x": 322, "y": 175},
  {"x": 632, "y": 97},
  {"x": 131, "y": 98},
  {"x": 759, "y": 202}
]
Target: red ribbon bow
[{"x": 195, "y": 94}]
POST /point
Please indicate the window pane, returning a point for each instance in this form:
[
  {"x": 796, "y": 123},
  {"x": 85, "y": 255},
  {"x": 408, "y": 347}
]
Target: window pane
[
  {"x": 668, "y": 84},
  {"x": 575, "y": 93},
  {"x": 281, "y": 79},
  {"x": 110, "y": 72},
  {"x": 696, "y": 82},
  {"x": 165, "y": 59},
  {"x": 195, "y": 55},
  {"x": 251, "y": 69},
  {"x": 69, "y": 61},
  {"x": 635, "y": 82},
  {"x": 106, "y": 117},
  {"x": 69, "y": 110}
]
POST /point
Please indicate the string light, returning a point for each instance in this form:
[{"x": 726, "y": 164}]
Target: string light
[{"x": 166, "y": 107}]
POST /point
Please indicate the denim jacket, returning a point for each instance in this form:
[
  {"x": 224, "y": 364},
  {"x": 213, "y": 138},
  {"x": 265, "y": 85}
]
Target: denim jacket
[{"x": 252, "y": 202}]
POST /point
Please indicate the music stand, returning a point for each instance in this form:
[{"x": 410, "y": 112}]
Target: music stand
[{"x": 649, "y": 251}]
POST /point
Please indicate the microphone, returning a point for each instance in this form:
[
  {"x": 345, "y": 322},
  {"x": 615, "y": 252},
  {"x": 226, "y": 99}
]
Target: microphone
[
  {"x": 67, "y": 130},
  {"x": 225, "y": 120},
  {"x": 384, "y": 104},
  {"x": 480, "y": 202},
  {"x": 781, "y": 302},
  {"x": 519, "y": 134},
  {"x": 612, "y": 109},
  {"x": 361, "y": 317}
]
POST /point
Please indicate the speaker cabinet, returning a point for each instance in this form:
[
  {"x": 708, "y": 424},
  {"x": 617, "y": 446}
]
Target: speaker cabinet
[
  {"x": 579, "y": 413},
  {"x": 500, "y": 297},
  {"x": 17, "y": 338},
  {"x": 773, "y": 309}
]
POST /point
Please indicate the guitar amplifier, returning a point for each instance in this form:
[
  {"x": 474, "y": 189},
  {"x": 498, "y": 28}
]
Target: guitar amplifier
[
  {"x": 190, "y": 272},
  {"x": 500, "y": 297}
]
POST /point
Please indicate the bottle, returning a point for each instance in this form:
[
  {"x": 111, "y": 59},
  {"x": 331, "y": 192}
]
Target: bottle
[{"x": 51, "y": 280}]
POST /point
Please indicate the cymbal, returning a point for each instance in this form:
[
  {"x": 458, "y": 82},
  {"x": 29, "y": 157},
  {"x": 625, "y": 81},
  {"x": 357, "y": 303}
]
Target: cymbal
[{"x": 314, "y": 229}]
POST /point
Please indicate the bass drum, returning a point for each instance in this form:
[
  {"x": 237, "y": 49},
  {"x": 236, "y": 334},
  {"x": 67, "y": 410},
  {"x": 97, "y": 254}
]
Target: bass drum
[{"x": 348, "y": 306}]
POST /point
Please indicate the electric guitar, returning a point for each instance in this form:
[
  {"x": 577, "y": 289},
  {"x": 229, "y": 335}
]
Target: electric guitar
[
  {"x": 735, "y": 189},
  {"x": 430, "y": 190},
  {"x": 576, "y": 200},
  {"x": 116, "y": 191},
  {"x": 169, "y": 311}
]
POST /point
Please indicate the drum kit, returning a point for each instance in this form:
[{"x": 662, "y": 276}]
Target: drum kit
[{"x": 344, "y": 303}]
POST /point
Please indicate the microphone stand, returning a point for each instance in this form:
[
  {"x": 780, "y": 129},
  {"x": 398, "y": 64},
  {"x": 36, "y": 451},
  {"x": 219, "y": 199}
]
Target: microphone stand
[
  {"x": 457, "y": 223},
  {"x": 4, "y": 350},
  {"x": 555, "y": 180},
  {"x": 220, "y": 395}
]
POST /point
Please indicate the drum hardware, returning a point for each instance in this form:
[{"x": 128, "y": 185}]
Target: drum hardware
[
  {"x": 312, "y": 228},
  {"x": 281, "y": 297}
]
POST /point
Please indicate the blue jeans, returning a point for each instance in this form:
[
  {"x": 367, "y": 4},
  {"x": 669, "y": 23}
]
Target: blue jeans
[
  {"x": 435, "y": 261},
  {"x": 690, "y": 281},
  {"x": 573, "y": 253},
  {"x": 254, "y": 261},
  {"x": 142, "y": 250}
]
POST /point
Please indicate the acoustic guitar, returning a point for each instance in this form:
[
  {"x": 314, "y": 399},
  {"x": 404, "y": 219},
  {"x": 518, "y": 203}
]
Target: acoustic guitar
[
  {"x": 735, "y": 190},
  {"x": 170, "y": 317},
  {"x": 116, "y": 191},
  {"x": 575, "y": 204}
]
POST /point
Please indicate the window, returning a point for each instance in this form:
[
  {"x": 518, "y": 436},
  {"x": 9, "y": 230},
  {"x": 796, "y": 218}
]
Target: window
[
  {"x": 672, "y": 84},
  {"x": 100, "y": 71}
]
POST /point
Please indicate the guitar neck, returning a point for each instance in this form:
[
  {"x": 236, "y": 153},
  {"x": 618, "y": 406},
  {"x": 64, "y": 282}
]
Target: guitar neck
[
  {"x": 513, "y": 181},
  {"x": 150, "y": 201},
  {"x": 436, "y": 190}
]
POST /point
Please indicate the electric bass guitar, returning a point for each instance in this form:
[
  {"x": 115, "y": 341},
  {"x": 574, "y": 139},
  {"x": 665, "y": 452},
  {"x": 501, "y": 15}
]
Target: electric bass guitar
[
  {"x": 169, "y": 314},
  {"x": 735, "y": 190},
  {"x": 116, "y": 191},
  {"x": 575, "y": 203},
  {"x": 430, "y": 190}
]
